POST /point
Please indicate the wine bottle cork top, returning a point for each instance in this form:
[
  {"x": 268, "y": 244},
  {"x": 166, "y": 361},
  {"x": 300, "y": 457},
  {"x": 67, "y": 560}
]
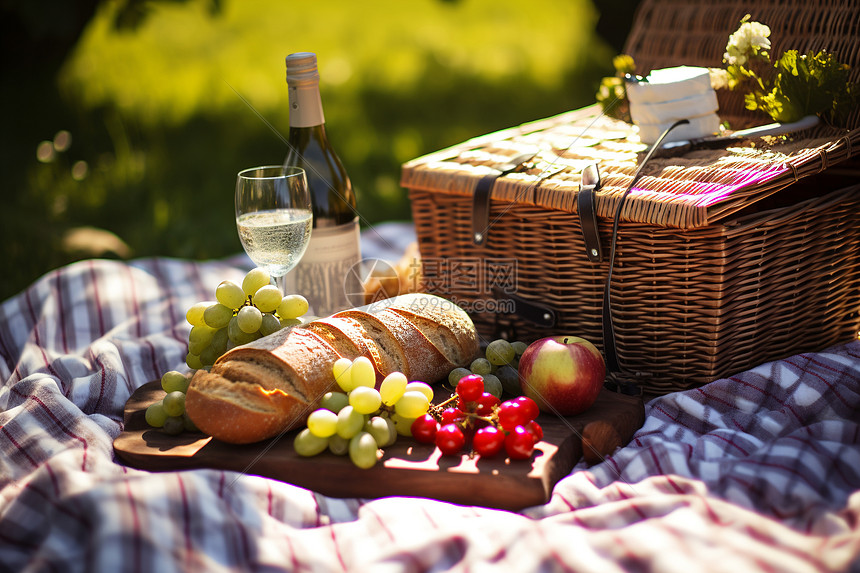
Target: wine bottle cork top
[{"x": 302, "y": 67}]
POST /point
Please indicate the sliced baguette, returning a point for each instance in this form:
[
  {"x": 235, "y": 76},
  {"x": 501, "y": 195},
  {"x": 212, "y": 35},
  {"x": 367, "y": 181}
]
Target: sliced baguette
[
  {"x": 413, "y": 354},
  {"x": 434, "y": 316},
  {"x": 259, "y": 390},
  {"x": 342, "y": 328},
  {"x": 341, "y": 336}
]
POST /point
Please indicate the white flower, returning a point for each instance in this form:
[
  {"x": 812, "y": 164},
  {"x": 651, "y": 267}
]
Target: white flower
[
  {"x": 750, "y": 38},
  {"x": 734, "y": 60},
  {"x": 719, "y": 78},
  {"x": 758, "y": 35}
]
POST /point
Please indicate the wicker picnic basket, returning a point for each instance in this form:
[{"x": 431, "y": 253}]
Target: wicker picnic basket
[{"x": 723, "y": 258}]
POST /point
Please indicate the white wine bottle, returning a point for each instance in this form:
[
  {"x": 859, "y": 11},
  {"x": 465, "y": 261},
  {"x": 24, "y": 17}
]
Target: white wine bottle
[{"x": 328, "y": 274}]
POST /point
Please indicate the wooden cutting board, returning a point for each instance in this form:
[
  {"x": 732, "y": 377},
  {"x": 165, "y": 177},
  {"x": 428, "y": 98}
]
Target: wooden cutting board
[{"x": 407, "y": 468}]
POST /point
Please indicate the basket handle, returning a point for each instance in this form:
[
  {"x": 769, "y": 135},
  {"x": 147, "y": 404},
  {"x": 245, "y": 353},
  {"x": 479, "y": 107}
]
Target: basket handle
[{"x": 609, "y": 343}]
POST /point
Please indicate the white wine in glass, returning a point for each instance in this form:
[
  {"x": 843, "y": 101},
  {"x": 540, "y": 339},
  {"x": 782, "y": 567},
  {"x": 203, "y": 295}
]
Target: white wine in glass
[{"x": 274, "y": 217}]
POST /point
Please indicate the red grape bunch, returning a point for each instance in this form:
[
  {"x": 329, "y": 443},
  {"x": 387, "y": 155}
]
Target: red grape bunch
[{"x": 491, "y": 424}]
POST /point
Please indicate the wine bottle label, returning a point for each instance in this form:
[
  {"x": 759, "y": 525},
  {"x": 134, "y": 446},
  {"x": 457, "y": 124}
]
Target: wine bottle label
[
  {"x": 305, "y": 106},
  {"x": 326, "y": 274}
]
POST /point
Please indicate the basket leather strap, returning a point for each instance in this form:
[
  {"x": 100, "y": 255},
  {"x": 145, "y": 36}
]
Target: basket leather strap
[
  {"x": 536, "y": 313},
  {"x": 609, "y": 343},
  {"x": 586, "y": 208},
  {"x": 481, "y": 199},
  {"x": 481, "y": 209}
]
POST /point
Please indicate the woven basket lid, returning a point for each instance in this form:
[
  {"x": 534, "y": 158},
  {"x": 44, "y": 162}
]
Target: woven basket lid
[{"x": 685, "y": 190}]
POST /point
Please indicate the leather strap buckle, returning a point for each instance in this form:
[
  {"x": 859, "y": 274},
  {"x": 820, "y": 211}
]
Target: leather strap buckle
[{"x": 587, "y": 209}]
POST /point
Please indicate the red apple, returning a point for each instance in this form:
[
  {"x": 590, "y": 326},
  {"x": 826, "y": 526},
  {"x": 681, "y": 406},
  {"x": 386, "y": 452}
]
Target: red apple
[{"x": 563, "y": 374}]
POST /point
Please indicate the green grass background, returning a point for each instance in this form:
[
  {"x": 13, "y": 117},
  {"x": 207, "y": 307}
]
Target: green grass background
[{"x": 153, "y": 99}]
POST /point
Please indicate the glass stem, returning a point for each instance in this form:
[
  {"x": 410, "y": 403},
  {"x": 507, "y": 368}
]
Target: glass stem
[{"x": 281, "y": 283}]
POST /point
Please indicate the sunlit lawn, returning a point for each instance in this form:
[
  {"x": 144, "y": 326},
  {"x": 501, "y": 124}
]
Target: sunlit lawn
[{"x": 161, "y": 117}]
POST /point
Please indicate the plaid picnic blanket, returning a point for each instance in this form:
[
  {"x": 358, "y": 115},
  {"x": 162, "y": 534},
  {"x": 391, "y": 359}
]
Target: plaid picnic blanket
[{"x": 756, "y": 472}]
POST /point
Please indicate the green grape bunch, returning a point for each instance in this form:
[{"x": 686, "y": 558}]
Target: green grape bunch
[
  {"x": 168, "y": 414},
  {"x": 498, "y": 368},
  {"x": 357, "y": 419},
  {"x": 239, "y": 315}
]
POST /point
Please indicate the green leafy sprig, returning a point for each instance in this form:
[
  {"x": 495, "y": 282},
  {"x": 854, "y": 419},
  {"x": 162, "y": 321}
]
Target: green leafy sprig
[{"x": 807, "y": 84}]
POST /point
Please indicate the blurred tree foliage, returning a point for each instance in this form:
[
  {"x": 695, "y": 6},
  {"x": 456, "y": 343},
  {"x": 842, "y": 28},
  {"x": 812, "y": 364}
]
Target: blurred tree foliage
[{"x": 134, "y": 116}]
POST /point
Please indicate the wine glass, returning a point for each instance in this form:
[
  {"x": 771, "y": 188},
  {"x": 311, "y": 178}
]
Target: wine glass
[{"x": 273, "y": 216}]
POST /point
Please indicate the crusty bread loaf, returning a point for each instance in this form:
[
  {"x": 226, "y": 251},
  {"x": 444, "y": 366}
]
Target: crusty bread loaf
[
  {"x": 261, "y": 389},
  {"x": 269, "y": 386}
]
